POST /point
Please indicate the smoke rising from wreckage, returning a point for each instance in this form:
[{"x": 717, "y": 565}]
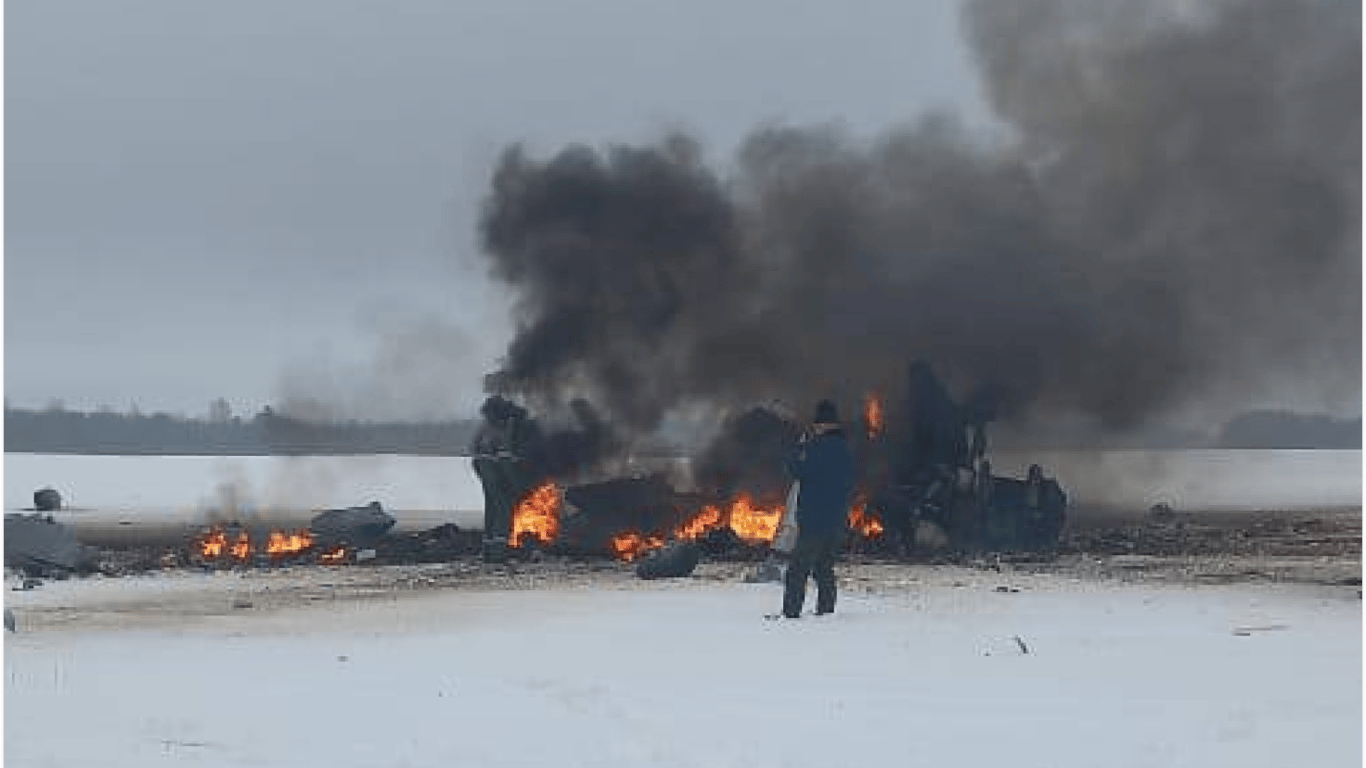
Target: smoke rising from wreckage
[
  {"x": 1175, "y": 176},
  {"x": 1177, "y": 214},
  {"x": 1177, "y": 211}
]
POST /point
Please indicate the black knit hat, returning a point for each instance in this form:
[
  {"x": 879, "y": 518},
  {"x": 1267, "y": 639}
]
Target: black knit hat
[{"x": 826, "y": 413}]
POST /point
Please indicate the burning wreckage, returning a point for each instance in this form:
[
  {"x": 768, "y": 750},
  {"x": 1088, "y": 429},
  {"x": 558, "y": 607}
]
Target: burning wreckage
[
  {"x": 37, "y": 545},
  {"x": 926, "y": 488},
  {"x": 332, "y": 537}
]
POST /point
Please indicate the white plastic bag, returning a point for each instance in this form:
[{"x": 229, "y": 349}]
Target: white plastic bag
[{"x": 786, "y": 540}]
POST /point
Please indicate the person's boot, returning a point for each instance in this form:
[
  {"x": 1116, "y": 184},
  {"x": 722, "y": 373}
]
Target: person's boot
[
  {"x": 794, "y": 592},
  {"x": 825, "y": 601}
]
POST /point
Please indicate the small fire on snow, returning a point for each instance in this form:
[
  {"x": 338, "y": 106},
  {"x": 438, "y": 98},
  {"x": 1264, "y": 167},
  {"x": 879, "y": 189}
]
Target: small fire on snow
[
  {"x": 241, "y": 548},
  {"x": 213, "y": 543},
  {"x": 217, "y": 544}
]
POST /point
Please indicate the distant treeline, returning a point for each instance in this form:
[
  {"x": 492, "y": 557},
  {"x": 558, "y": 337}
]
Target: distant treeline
[
  {"x": 56, "y": 430},
  {"x": 1283, "y": 429},
  {"x": 266, "y": 433}
]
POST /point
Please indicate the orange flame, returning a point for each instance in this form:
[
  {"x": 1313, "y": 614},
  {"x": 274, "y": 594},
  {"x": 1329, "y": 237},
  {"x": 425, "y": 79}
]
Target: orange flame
[
  {"x": 708, "y": 518},
  {"x": 872, "y": 415},
  {"x": 213, "y": 543},
  {"x": 281, "y": 543},
  {"x": 241, "y": 549},
  {"x": 755, "y": 525},
  {"x": 630, "y": 545},
  {"x": 333, "y": 557},
  {"x": 537, "y": 516},
  {"x": 863, "y": 522},
  {"x": 216, "y": 543}
]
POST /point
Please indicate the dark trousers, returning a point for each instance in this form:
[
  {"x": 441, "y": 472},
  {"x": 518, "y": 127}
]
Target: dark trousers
[
  {"x": 813, "y": 556},
  {"x": 502, "y": 486}
]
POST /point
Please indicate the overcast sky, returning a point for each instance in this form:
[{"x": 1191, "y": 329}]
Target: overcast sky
[{"x": 261, "y": 200}]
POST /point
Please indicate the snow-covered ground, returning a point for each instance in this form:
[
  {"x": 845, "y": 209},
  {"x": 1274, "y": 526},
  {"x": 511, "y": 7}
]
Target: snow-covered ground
[
  {"x": 426, "y": 490},
  {"x": 920, "y": 666},
  {"x": 430, "y": 490}
]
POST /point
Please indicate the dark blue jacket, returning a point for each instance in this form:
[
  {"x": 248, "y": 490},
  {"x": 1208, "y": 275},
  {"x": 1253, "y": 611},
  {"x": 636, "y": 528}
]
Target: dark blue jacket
[{"x": 825, "y": 468}]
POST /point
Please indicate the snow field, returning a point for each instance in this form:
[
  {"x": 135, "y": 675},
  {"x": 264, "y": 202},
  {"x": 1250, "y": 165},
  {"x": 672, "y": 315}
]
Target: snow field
[{"x": 687, "y": 674}]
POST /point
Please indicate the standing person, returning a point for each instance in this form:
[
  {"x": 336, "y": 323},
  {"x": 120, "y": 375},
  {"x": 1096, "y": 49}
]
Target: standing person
[
  {"x": 824, "y": 466},
  {"x": 499, "y": 461}
]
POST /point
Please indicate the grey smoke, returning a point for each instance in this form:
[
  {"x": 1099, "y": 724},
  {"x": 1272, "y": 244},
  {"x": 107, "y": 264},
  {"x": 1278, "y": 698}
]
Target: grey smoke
[
  {"x": 1176, "y": 210},
  {"x": 411, "y": 375}
]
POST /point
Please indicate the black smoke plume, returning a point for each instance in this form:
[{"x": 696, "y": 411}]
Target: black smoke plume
[
  {"x": 1176, "y": 211},
  {"x": 748, "y": 454},
  {"x": 560, "y": 451}
]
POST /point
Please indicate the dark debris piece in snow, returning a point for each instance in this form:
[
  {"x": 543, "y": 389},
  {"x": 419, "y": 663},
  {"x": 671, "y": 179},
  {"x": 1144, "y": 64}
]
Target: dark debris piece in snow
[
  {"x": 47, "y": 500},
  {"x": 38, "y": 545},
  {"x": 670, "y": 561},
  {"x": 353, "y": 527}
]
